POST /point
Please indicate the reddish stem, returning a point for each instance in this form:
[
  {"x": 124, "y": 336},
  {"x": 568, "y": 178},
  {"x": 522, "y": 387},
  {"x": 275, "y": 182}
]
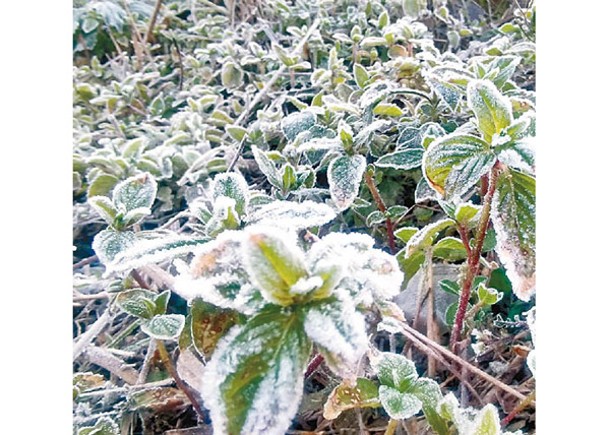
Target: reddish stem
[
  {"x": 473, "y": 259},
  {"x": 519, "y": 408},
  {"x": 381, "y": 206},
  {"x": 313, "y": 365}
]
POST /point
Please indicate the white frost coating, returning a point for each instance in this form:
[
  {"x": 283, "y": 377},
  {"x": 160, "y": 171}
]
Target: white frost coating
[
  {"x": 107, "y": 244},
  {"x": 368, "y": 273},
  {"x": 376, "y": 90},
  {"x": 341, "y": 330},
  {"x": 276, "y": 401},
  {"x": 344, "y": 177},
  {"x": 306, "y": 285},
  {"x": 293, "y": 215},
  {"x": 233, "y": 185},
  {"x": 153, "y": 251},
  {"x": 135, "y": 192},
  {"x": 399, "y": 405}
]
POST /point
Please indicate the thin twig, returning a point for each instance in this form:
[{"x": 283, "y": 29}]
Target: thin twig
[
  {"x": 143, "y": 375},
  {"x": 381, "y": 206},
  {"x": 89, "y": 335},
  {"x": 116, "y": 366},
  {"x": 519, "y": 408},
  {"x": 153, "y": 17},
  {"x": 457, "y": 359}
]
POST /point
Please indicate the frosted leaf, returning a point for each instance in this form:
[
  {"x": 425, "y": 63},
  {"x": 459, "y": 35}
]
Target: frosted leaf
[
  {"x": 134, "y": 216},
  {"x": 367, "y": 273},
  {"x": 425, "y": 237},
  {"x": 467, "y": 214},
  {"x": 104, "y": 207},
  {"x": 333, "y": 104},
  {"x": 513, "y": 217},
  {"x": 405, "y": 160},
  {"x": 449, "y": 82},
  {"x": 339, "y": 332},
  {"x": 254, "y": 381},
  {"x": 364, "y": 394},
  {"x": 224, "y": 217},
  {"x": 150, "y": 251},
  {"x": 487, "y": 422},
  {"x": 293, "y": 215},
  {"x": 454, "y": 163},
  {"x": 232, "y": 185},
  {"x": 450, "y": 249},
  {"x": 363, "y": 136},
  {"x": 209, "y": 323},
  {"x": 103, "y": 426},
  {"x": 429, "y": 393},
  {"x": 395, "y": 371},
  {"x": 492, "y": 109},
  {"x": 295, "y": 123},
  {"x": 376, "y": 92},
  {"x": 506, "y": 66},
  {"x": 135, "y": 192},
  {"x": 344, "y": 177},
  {"x": 274, "y": 263},
  {"x": 519, "y": 155},
  {"x": 267, "y": 167},
  {"x": 137, "y": 302},
  {"x": 398, "y": 405},
  {"x": 165, "y": 326},
  {"x": 424, "y": 192},
  {"x": 107, "y": 244}
]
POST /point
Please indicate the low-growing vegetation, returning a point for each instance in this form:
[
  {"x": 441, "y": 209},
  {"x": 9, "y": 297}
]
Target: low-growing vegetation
[{"x": 304, "y": 217}]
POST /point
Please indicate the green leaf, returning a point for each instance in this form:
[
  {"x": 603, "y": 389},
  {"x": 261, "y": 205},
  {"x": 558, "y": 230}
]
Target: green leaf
[
  {"x": 133, "y": 216},
  {"x": 451, "y": 313},
  {"x": 161, "y": 302},
  {"x": 361, "y": 75},
  {"x": 231, "y": 75},
  {"x": 425, "y": 237},
  {"x": 387, "y": 109},
  {"x": 339, "y": 332},
  {"x": 487, "y": 422},
  {"x": 101, "y": 185},
  {"x": 454, "y": 163},
  {"x": 513, "y": 217},
  {"x": 273, "y": 264},
  {"x": 295, "y": 123},
  {"x": 406, "y": 233},
  {"x": 429, "y": 393},
  {"x": 364, "y": 394},
  {"x": 224, "y": 217},
  {"x": 254, "y": 381},
  {"x": 164, "y": 327},
  {"x": 450, "y": 286},
  {"x": 373, "y": 41},
  {"x": 208, "y": 325},
  {"x": 104, "y": 207},
  {"x": 236, "y": 132},
  {"x": 395, "y": 371},
  {"x": 267, "y": 167},
  {"x": 467, "y": 214},
  {"x": 107, "y": 244},
  {"x": 493, "y": 110},
  {"x": 410, "y": 264},
  {"x": 344, "y": 177},
  {"x": 137, "y": 302},
  {"x": 135, "y": 192},
  {"x": 488, "y": 296},
  {"x": 232, "y": 185},
  {"x": 408, "y": 159},
  {"x": 399, "y": 405},
  {"x": 450, "y": 249},
  {"x": 288, "y": 177},
  {"x": 292, "y": 215}
]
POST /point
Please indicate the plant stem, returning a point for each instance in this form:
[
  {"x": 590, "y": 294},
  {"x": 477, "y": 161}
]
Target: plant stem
[
  {"x": 473, "y": 259},
  {"x": 179, "y": 382},
  {"x": 155, "y": 14},
  {"x": 381, "y": 206},
  {"x": 314, "y": 364},
  {"x": 519, "y": 408},
  {"x": 391, "y": 427}
]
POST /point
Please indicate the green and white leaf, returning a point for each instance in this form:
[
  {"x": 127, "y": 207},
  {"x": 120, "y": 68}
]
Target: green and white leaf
[
  {"x": 103, "y": 426},
  {"x": 267, "y": 167},
  {"x": 148, "y": 251},
  {"x": 292, "y": 215},
  {"x": 339, "y": 332},
  {"x": 467, "y": 214},
  {"x": 454, "y": 163},
  {"x": 107, "y": 244},
  {"x": 274, "y": 263},
  {"x": 104, "y": 207},
  {"x": 296, "y": 123},
  {"x": 407, "y": 159},
  {"x": 224, "y": 217},
  {"x": 254, "y": 381},
  {"x": 135, "y": 192},
  {"x": 364, "y": 394},
  {"x": 165, "y": 326},
  {"x": 399, "y": 405},
  {"x": 513, "y": 217},
  {"x": 406, "y": 233},
  {"x": 395, "y": 371},
  {"x": 232, "y": 185},
  {"x": 425, "y": 237},
  {"x": 450, "y": 249},
  {"x": 344, "y": 177},
  {"x": 137, "y": 302},
  {"x": 492, "y": 109}
]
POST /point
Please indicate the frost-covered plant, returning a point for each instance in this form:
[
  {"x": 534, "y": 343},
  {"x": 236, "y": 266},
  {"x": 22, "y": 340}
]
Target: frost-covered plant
[{"x": 293, "y": 299}]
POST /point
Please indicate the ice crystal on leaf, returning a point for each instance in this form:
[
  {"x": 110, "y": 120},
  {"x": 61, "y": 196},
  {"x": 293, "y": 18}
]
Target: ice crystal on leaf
[
  {"x": 344, "y": 177},
  {"x": 292, "y": 215}
]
